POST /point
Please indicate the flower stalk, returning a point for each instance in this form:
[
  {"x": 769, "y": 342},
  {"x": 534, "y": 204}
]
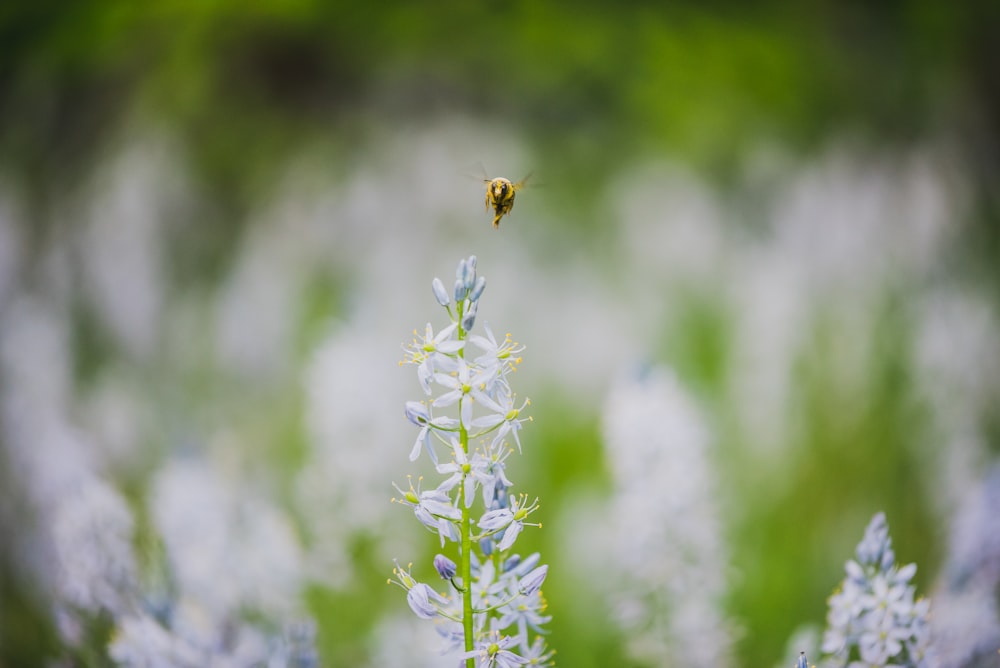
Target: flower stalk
[
  {"x": 874, "y": 618},
  {"x": 493, "y": 615}
]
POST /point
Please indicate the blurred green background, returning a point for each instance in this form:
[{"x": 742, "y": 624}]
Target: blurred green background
[{"x": 647, "y": 127}]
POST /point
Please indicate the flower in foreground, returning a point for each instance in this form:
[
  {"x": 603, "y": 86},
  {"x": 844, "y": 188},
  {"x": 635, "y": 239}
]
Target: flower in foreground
[
  {"x": 873, "y": 618},
  {"x": 470, "y": 399},
  {"x": 510, "y": 520},
  {"x": 493, "y": 653}
]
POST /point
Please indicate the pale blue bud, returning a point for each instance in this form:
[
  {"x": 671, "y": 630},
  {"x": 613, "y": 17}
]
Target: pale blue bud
[
  {"x": 477, "y": 289},
  {"x": 440, "y": 293},
  {"x": 500, "y": 496},
  {"x": 445, "y": 567},
  {"x": 470, "y": 317},
  {"x": 486, "y": 546},
  {"x": 532, "y": 582},
  {"x": 466, "y": 272},
  {"x": 522, "y": 566}
]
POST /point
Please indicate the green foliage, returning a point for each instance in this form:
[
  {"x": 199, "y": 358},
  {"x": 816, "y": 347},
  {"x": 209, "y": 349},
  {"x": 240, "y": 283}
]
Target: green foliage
[{"x": 246, "y": 82}]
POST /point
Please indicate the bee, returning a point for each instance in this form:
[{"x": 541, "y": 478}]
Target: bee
[{"x": 500, "y": 194}]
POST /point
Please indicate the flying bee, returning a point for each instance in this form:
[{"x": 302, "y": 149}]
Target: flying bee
[{"x": 500, "y": 195}]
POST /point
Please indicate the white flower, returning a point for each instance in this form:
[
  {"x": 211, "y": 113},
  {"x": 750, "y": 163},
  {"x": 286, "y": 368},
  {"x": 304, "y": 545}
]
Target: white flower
[
  {"x": 464, "y": 384},
  {"x": 93, "y": 540},
  {"x": 663, "y": 535},
  {"x": 505, "y": 415},
  {"x": 432, "y": 353}
]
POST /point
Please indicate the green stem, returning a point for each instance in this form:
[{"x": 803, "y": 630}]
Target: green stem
[
  {"x": 463, "y": 438},
  {"x": 466, "y": 563}
]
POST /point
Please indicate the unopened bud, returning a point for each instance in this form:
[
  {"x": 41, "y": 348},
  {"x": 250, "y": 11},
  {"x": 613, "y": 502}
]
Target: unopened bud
[
  {"x": 532, "y": 582},
  {"x": 440, "y": 293},
  {"x": 445, "y": 567}
]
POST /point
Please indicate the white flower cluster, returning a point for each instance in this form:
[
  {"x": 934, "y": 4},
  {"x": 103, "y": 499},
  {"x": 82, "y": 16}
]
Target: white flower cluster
[
  {"x": 199, "y": 618},
  {"x": 873, "y": 618},
  {"x": 492, "y": 613},
  {"x": 209, "y": 589},
  {"x": 663, "y": 539},
  {"x": 966, "y": 623}
]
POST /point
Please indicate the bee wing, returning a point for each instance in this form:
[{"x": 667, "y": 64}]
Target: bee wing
[
  {"x": 477, "y": 172},
  {"x": 523, "y": 182}
]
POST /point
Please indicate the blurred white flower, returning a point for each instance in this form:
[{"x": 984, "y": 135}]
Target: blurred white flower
[
  {"x": 116, "y": 412},
  {"x": 957, "y": 369},
  {"x": 673, "y": 228},
  {"x": 122, "y": 240},
  {"x": 143, "y": 641},
  {"x": 92, "y": 533},
  {"x": 854, "y": 221},
  {"x": 259, "y": 300},
  {"x": 402, "y": 640},
  {"x": 835, "y": 238},
  {"x": 966, "y": 621},
  {"x": 47, "y": 458},
  {"x": 662, "y": 543},
  {"x": 609, "y": 321},
  {"x": 873, "y": 613},
  {"x": 356, "y": 443},
  {"x": 958, "y": 355},
  {"x": 229, "y": 550}
]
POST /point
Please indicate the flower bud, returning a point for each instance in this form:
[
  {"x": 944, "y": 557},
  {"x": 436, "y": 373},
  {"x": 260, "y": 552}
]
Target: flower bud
[
  {"x": 477, "y": 289},
  {"x": 528, "y": 563},
  {"x": 532, "y": 582},
  {"x": 500, "y": 497},
  {"x": 445, "y": 567},
  {"x": 466, "y": 272},
  {"x": 511, "y": 562},
  {"x": 486, "y": 546},
  {"x": 440, "y": 293},
  {"x": 469, "y": 319}
]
